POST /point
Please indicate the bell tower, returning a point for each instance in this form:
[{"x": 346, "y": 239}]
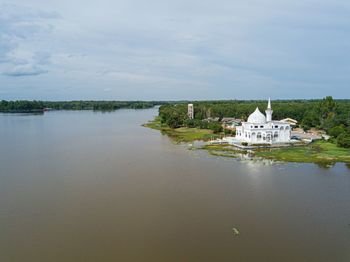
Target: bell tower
[
  {"x": 190, "y": 111},
  {"x": 269, "y": 112}
]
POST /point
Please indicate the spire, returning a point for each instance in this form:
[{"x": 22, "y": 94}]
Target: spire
[
  {"x": 269, "y": 111},
  {"x": 269, "y": 104}
]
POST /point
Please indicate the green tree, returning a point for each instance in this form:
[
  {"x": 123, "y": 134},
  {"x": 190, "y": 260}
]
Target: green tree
[
  {"x": 343, "y": 140},
  {"x": 336, "y": 131}
]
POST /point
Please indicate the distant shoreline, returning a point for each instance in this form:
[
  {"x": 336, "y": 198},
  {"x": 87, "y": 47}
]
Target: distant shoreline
[{"x": 23, "y": 106}]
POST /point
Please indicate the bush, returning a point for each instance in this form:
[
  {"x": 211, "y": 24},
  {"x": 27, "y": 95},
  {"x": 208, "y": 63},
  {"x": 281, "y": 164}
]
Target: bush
[
  {"x": 190, "y": 123},
  {"x": 336, "y": 131},
  {"x": 229, "y": 132},
  {"x": 215, "y": 126},
  {"x": 343, "y": 140}
]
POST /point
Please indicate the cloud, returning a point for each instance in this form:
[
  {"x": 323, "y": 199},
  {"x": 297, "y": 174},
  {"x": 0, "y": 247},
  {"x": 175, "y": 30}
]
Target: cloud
[
  {"x": 175, "y": 49},
  {"x": 19, "y": 26},
  {"x": 25, "y": 70}
]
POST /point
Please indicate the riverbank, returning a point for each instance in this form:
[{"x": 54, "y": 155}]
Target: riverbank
[
  {"x": 319, "y": 152},
  {"x": 182, "y": 134}
]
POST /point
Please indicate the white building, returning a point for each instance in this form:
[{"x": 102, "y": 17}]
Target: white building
[
  {"x": 190, "y": 111},
  {"x": 261, "y": 129}
]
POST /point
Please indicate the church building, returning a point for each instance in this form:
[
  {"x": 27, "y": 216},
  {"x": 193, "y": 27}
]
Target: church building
[{"x": 261, "y": 129}]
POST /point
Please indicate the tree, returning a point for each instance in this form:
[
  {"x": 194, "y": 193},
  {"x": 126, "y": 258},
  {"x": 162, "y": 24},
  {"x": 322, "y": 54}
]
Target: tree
[
  {"x": 328, "y": 107},
  {"x": 343, "y": 140},
  {"x": 336, "y": 131},
  {"x": 215, "y": 126},
  {"x": 311, "y": 119}
]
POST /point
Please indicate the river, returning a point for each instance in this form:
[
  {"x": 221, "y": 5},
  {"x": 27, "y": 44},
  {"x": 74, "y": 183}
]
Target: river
[{"x": 89, "y": 186}]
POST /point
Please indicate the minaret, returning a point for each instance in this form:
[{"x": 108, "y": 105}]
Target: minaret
[{"x": 269, "y": 112}]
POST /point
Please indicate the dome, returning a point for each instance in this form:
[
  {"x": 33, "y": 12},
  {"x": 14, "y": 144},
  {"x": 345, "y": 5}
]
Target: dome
[{"x": 257, "y": 117}]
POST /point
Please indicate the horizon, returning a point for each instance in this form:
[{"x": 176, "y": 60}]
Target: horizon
[
  {"x": 184, "y": 100},
  {"x": 129, "y": 50}
]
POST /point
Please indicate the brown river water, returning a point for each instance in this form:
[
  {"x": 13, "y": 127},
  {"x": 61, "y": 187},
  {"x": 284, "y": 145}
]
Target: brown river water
[{"x": 86, "y": 186}]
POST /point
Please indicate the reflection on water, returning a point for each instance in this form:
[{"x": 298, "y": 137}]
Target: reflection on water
[{"x": 87, "y": 186}]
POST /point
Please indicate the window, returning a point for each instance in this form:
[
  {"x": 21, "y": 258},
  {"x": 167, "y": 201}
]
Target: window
[
  {"x": 259, "y": 135},
  {"x": 256, "y": 126},
  {"x": 276, "y": 126},
  {"x": 275, "y": 135},
  {"x": 261, "y": 126}
]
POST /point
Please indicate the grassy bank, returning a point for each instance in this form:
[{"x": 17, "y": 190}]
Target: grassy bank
[
  {"x": 182, "y": 134},
  {"x": 320, "y": 152},
  {"x": 317, "y": 152}
]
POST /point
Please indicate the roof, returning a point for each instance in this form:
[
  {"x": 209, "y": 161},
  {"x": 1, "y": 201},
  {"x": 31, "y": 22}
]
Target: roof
[
  {"x": 231, "y": 119},
  {"x": 291, "y": 120}
]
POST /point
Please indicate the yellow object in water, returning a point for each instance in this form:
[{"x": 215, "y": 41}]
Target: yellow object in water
[{"x": 235, "y": 231}]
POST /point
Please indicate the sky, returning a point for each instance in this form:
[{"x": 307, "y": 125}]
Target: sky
[{"x": 174, "y": 50}]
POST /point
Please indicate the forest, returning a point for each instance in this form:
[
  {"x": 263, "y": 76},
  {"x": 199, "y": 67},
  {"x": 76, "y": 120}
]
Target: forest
[
  {"x": 35, "y": 106},
  {"x": 327, "y": 114}
]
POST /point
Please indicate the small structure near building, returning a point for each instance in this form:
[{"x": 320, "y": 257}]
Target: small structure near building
[
  {"x": 230, "y": 122},
  {"x": 190, "y": 111},
  {"x": 211, "y": 119},
  {"x": 308, "y": 136},
  {"x": 261, "y": 129},
  {"x": 290, "y": 121}
]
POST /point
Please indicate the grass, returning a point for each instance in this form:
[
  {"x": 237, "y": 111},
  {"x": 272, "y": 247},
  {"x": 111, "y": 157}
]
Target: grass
[
  {"x": 320, "y": 152},
  {"x": 182, "y": 134},
  {"x": 317, "y": 152}
]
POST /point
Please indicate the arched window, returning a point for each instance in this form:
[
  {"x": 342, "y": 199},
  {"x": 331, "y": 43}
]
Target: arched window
[
  {"x": 259, "y": 136},
  {"x": 275, "y": 135},
  {"x": 287, "y": 127},
  {"x": 281, "y": 128}
]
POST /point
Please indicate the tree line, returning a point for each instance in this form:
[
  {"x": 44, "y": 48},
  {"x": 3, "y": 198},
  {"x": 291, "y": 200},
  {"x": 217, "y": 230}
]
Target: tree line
[
  {"x": 327, "y": 114},
  {"x": 30, "y": 106}
]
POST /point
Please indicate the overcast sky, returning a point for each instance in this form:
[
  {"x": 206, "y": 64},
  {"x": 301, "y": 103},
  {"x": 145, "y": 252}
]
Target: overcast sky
[{"x": 169, "y": 50}]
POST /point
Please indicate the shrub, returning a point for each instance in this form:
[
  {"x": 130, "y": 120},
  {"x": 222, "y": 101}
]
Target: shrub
[
  {"x": 215, "y": 126},
  {"x": 343, "y": 140},
  {"x": 190, "y": 123},
  {"x": 336, "y": 131}
]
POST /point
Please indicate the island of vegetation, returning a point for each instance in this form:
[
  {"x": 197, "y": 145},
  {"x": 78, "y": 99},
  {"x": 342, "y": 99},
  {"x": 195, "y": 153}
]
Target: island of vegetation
[{"x": 329, "y": 115}]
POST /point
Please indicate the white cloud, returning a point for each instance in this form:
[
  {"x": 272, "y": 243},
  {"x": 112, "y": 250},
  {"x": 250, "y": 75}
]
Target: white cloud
[
  {"x": 19, "y": 26},
  {"x": 25, "y": 70}
]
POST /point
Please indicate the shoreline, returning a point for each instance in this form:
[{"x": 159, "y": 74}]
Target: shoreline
[{"x": 320, "y": 152}]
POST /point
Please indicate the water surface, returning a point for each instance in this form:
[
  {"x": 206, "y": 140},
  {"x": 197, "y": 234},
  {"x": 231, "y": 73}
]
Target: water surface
[{"x": 85, "y": 186}]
